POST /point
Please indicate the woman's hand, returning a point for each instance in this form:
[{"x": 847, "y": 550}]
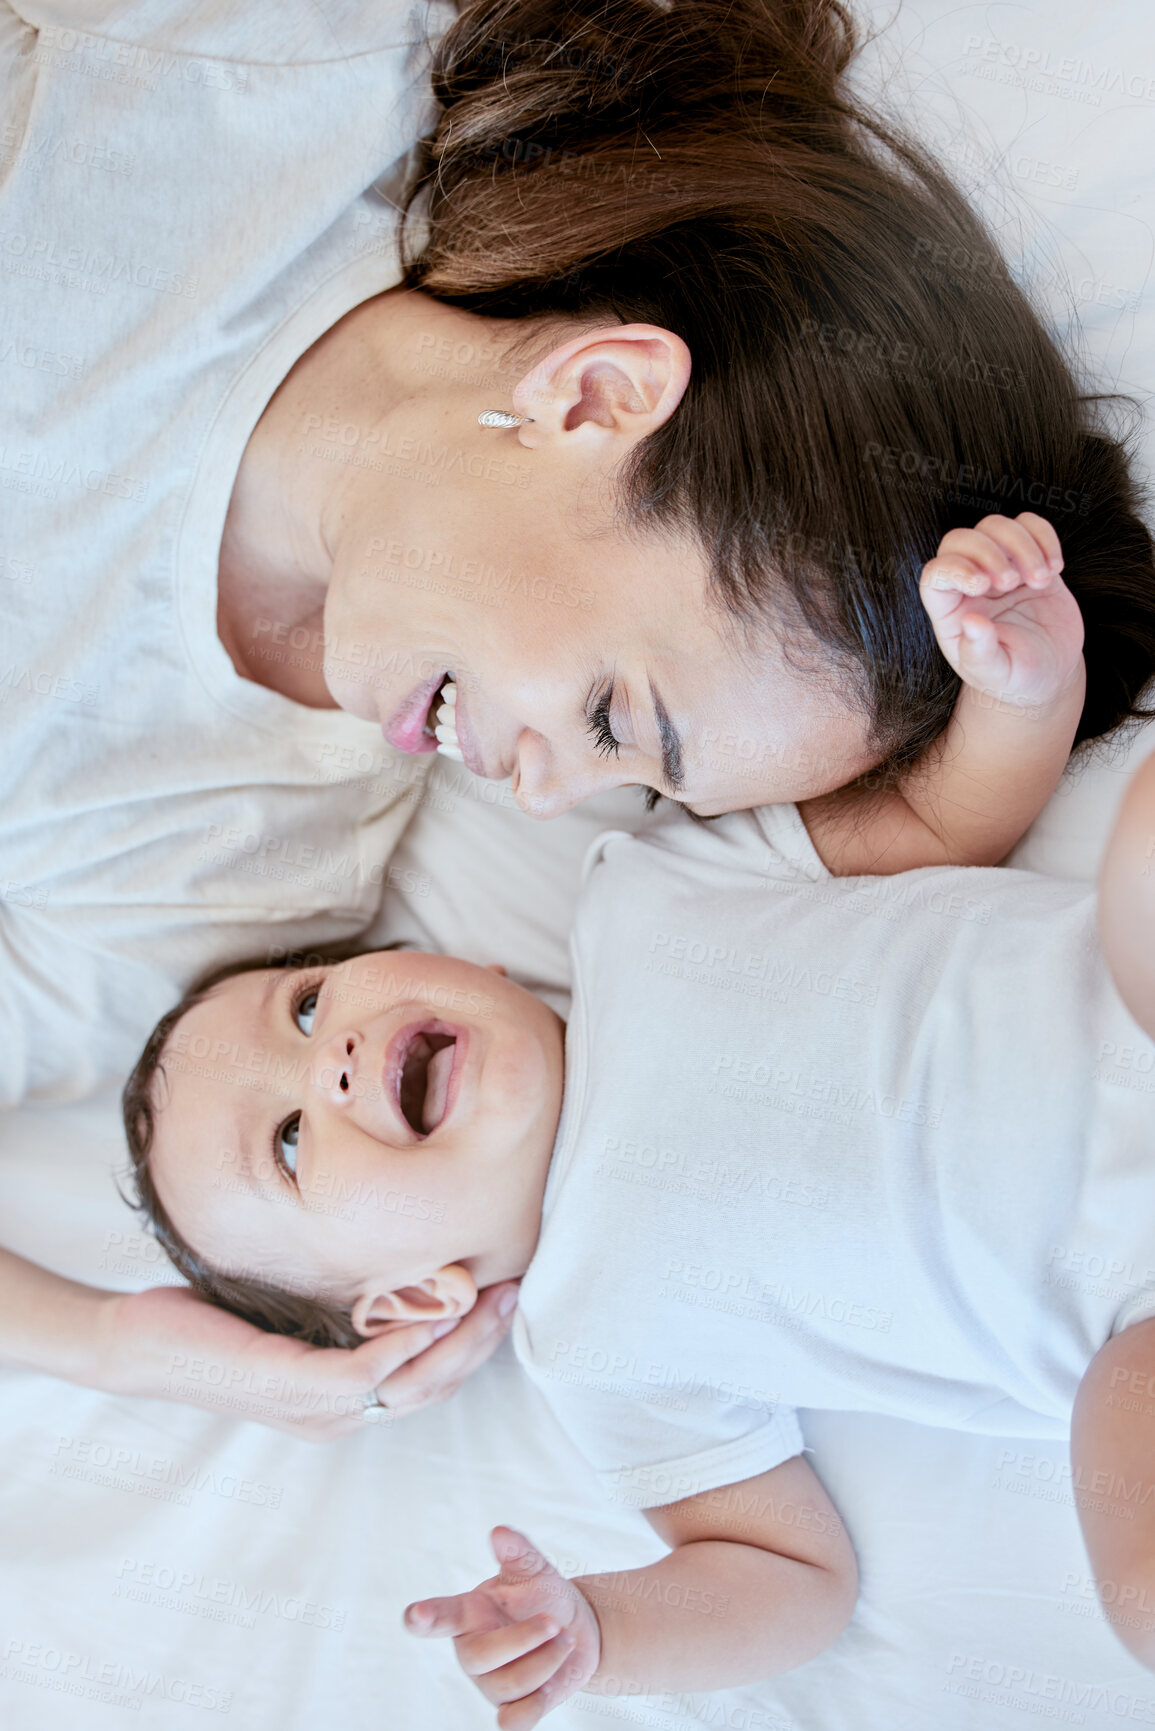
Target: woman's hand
[
  {"x": 168, "y": 1344},
  {"x": 1003, "y": 616},
  {"x": 527, "y": 1636}
]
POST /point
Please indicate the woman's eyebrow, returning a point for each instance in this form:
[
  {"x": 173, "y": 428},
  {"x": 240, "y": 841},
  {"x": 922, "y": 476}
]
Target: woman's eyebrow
[{"x": 672, "y": 771}]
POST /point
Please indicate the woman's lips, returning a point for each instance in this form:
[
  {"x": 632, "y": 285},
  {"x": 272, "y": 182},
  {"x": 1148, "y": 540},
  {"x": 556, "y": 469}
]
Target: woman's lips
[{"x": 406, "y": 729}]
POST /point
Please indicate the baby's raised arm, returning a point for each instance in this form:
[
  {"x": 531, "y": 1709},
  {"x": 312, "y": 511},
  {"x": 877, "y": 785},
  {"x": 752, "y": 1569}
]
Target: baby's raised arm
[
  {"x": 760, "y": 1578},
  {"x": 1012, "y": 631}
]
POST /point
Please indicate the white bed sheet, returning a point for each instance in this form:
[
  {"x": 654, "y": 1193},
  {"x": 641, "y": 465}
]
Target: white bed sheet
[
  {"x": 177, "y": 1566},
  {"x": 173, "y": 1564}
]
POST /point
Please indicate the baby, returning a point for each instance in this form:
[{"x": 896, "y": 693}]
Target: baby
[{"x": 822, "y": 1142}]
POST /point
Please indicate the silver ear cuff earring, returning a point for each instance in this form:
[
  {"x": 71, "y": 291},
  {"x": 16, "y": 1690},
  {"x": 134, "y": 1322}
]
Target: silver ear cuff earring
[{"x": 502, "y": 418}]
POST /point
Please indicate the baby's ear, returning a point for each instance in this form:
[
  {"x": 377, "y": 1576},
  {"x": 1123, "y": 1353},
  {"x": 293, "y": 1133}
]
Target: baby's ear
[{"x": 380, "y": 1307}]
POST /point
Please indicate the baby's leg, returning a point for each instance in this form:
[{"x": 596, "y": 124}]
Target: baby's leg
[
  {"x": 1127, "y": 899},
  {"x": 1113, "y": 1465}
]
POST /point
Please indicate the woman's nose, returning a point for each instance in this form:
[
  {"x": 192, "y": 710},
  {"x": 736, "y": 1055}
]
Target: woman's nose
[
  {"x": 337, "y": 1066},
  {"x": 545, "y": 783}
]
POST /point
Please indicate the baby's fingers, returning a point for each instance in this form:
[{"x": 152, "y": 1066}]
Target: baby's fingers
[
  {"x": 411, "y": 1382},
  {"x": 997, "y": 555},
  {"x": 523, "y": 1715},
  {"x": 1027, "y": 563},
  {"x": 488, "y": 1654},
  {"x": 462, "y": 1614},
  {"x": 982, "y": 660},
  {"x": 513, "y": 1662},
  {"x": 977, "y": 562},
  {"x": 1045, "y": 537},
  {"x": 953, "y": 571}
]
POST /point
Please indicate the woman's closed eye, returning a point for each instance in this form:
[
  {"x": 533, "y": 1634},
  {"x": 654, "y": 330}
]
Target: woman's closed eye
[{"x": 598, "y": 722}]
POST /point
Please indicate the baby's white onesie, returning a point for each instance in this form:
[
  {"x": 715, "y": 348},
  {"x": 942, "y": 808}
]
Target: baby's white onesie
[{"x": 881, "y": 1144}]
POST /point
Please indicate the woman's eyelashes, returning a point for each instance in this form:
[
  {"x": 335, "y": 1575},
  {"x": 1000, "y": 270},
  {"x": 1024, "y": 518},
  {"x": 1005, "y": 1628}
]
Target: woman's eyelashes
[{"x": 598, "y": 722}]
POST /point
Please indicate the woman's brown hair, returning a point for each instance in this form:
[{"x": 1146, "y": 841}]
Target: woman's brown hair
[{"x": 866, "y": 373}]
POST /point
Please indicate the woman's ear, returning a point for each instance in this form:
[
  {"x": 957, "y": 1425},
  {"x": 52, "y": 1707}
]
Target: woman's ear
[
  {"x": 380, "y": 1307},
  {"x": 607, "y": 388}
]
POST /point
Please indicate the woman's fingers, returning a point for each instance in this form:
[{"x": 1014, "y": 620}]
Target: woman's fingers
[
  {"x": 314, "y": 1392},
  {"x": 439, "y": 1369},
  {"x": 377, "y": 1361}
]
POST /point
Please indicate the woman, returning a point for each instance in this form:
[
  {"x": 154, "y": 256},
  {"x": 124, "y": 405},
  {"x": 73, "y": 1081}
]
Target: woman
[{"x": 725, "y": 314}]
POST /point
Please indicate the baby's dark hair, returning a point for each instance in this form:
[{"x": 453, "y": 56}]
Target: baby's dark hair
[{"x": 276, "y": 1309}]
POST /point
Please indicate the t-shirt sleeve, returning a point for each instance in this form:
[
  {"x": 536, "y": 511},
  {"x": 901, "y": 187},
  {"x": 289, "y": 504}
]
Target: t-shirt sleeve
[
  {"x": 653, "y": 1430},
  {"x": 655, "y": 1483},
  {"x": 73, "y": 1008},
  {"x": 267, "y": 32},
  {"x": 1140, "y": 1307}
]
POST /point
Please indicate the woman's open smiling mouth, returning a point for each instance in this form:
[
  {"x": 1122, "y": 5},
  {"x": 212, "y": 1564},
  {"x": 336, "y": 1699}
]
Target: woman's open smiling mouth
[{"x": 430, "y": 719}]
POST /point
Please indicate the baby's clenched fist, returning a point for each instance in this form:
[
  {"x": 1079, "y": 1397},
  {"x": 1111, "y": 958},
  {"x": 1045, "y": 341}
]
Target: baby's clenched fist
[{"x": 1003, "y": 616}]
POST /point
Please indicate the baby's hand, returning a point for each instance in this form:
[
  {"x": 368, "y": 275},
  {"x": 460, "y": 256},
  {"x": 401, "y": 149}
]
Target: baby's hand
[
  {"x": 1003, "y": 616},
  {"x": 527, "y": 1636}
]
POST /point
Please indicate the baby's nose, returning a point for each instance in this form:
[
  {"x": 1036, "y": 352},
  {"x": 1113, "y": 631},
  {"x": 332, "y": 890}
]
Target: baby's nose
[{"x": 335, "y": 1069}]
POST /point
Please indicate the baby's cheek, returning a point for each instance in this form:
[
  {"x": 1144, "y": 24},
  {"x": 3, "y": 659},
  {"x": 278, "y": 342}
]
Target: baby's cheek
[{"x": 520, "y": 1086}]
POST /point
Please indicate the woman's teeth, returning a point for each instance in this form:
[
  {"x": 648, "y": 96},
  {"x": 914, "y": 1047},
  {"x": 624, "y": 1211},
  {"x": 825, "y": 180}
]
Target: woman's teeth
[{"x": 445, "y": 732}]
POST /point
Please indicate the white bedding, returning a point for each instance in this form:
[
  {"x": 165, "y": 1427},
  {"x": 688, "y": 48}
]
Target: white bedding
[{"x": 175, "y": 1565}]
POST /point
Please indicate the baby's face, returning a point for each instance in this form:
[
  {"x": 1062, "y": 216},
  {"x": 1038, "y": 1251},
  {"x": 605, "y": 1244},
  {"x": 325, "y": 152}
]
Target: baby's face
[{"x": 363, "y": 1123}]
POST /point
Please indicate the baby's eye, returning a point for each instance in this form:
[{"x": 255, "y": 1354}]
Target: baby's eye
[
  {"x": 287, "y": 1142},
  {"x": 305, "y": 1009}
]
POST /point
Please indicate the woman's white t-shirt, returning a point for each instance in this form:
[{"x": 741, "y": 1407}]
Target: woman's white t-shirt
[
  {"x": 873, "y": 1144},
  {"x": 190, "y": 196}
]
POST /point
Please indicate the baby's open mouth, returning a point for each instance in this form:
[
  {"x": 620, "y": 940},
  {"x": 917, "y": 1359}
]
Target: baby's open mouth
[{"x": 423, "y": 1086}]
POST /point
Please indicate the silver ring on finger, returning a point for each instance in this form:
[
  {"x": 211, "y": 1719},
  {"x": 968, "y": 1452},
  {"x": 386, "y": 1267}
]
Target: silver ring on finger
[{"x": 374, "y": 1410}]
